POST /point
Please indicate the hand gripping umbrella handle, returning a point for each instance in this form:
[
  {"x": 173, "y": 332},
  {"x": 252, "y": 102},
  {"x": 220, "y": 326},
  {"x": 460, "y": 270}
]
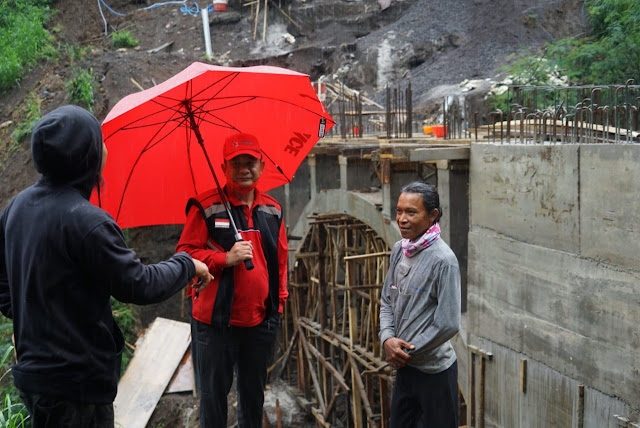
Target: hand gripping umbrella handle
[{"x": 248, "y": 264}]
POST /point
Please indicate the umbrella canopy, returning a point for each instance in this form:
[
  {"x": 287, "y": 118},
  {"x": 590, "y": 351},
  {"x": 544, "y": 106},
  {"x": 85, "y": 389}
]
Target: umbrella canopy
[{"x": 155, "y": 161}]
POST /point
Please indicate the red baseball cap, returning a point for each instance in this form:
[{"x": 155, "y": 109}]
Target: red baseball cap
[{"x": 241, "y": 144}]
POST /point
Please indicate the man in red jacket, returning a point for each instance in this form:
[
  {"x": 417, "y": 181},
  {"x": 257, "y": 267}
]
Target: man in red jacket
[{"x": 235, "y": 320}]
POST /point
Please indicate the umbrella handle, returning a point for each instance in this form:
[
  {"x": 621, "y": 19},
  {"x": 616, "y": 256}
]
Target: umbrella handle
[{"x": 248, "y": 264}]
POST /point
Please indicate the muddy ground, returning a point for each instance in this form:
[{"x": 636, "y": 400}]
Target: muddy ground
[{"x": 433, "y": 44}]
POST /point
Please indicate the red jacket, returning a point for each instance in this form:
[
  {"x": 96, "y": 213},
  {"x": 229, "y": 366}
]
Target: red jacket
[{"x": 236, "y": 296}]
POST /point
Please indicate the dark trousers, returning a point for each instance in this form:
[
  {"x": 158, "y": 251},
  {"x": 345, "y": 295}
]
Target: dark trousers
[
  {"x": 217, "y": 354},
  {"x": 50, "y": 412},
  {"x": 431, "y": 399}
]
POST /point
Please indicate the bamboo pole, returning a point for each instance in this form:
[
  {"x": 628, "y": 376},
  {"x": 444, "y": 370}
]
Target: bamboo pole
[
  {"x": 314, "y": 377},
  {"x": 264, "y": 25}
]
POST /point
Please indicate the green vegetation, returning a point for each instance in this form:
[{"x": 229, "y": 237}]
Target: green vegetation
[
  {"x": 75, "y": 53},
  {"x": 609, "y": 55},
  {"x": 23, "y": 38},
  {"x": 123, "y": 39},
  {"x": 82, "y": 88},
  {"x": 32, "y": 114},
  {"x": 127, "y": 320},
  {"x": 13, "y": 413}
]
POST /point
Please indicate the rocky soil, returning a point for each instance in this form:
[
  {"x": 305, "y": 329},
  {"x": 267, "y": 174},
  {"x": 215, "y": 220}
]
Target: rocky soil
[{"x": 365, "y": 44}]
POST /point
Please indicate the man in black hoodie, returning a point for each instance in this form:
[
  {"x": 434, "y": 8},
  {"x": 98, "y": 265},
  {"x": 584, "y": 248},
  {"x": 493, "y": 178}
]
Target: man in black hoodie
[{"x": 61, "y": 258}]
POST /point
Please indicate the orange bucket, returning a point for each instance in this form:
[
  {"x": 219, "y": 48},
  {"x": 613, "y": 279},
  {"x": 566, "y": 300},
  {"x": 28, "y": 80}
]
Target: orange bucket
[{"x": 428, "y": 130}]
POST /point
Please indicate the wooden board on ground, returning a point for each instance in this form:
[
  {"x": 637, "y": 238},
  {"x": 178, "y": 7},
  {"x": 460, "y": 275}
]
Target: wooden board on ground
[
  {"x": 183, "y": 379},
  {"x": 150, "y": 371}
]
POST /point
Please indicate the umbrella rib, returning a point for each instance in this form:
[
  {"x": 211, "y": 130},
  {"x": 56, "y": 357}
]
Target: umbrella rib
[
  {"x": 249, "y": 98},
  {"x": 223, "y": 123},
  {"x": 126, "y": 185},
  {"x": 151, "y": 144},
  {"x": 193, "y": 178},
  {"x": 231, "y": 77},
  {"x": 295, "y": 105},
  {"x": 277, "y": 166},
  {"x": 130, "y": 125},
  {"x": 147, "y": 147}
]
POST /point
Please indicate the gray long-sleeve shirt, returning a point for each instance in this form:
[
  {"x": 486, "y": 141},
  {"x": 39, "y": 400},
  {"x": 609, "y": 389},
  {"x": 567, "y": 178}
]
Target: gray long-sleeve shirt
[{"x": 420, "y": 304}]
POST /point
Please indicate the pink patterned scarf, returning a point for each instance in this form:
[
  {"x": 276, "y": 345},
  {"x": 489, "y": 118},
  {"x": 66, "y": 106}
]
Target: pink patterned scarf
[{"x": 411, "y": 248}]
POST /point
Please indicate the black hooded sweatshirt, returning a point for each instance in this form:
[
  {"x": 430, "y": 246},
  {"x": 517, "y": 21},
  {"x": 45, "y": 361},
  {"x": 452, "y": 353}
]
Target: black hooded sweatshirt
[{"x": 61, "y": 258}]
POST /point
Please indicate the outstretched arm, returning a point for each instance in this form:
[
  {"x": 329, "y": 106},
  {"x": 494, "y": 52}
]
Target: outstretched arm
[
  {"x": 110, "y": 262},
  {"x": 195, "y": 242}
]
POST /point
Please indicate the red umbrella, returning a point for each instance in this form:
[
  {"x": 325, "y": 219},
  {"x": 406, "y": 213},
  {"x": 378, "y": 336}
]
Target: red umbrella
[{"x": 165, "y": 142}]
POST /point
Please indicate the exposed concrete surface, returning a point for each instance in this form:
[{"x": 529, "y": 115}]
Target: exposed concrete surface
[
  {"x": 554, "y": 278},
  {"x": 529, "y": 193},
  {"x": 550, "y": 398},
  {"x": 609, "y": 203},
  {"x": 576, "y": 315}
]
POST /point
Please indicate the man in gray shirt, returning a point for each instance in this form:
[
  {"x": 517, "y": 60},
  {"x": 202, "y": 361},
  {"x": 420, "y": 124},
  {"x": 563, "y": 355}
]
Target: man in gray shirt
[{"x": 420, "y": 313}]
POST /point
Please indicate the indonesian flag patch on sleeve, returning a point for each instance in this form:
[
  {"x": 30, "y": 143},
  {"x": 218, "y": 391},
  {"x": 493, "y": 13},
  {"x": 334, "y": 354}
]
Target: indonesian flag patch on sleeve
[{"x": 222, "y": 223}]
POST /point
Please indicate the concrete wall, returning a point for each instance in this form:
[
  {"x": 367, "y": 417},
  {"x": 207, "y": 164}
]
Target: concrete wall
[
  {"x": 551, "y": 398},
  {"x": 610, "y": 204},
  {"x": 554, "y": 279}
]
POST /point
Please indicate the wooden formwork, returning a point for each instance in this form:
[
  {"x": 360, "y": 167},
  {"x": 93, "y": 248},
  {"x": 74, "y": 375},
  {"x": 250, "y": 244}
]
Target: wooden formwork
[{"x": 333, "y": 359}]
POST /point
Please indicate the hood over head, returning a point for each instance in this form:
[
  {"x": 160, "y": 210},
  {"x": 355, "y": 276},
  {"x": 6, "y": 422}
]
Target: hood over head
[{"x": 66, "y": 145}]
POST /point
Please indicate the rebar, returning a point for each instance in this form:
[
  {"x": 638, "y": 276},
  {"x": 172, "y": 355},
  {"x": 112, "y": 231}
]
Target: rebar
[{"x": 595, "y": 114}]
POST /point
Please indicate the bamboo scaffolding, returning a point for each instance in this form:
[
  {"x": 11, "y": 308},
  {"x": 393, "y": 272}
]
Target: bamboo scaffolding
[{"x": 332, "y": 356}]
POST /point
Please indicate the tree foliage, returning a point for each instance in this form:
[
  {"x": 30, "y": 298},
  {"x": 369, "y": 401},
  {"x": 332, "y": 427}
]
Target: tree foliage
[{"x": 608, "y": 55}]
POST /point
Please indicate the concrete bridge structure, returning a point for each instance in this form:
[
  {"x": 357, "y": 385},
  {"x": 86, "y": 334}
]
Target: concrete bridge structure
[{"x": 548, "y": 242}]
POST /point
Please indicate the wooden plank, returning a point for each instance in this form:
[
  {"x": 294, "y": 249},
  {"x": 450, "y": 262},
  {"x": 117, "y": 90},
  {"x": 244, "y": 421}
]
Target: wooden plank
[
  {"x": 149, "y": 372},
  {"x": 523, "y": 375},
  {"x": 183, "y": 379},
  {"x": 356, "y": 400},
  {"x": 314, "y": 378},
  {"x": 560, "y": 125},
  {"x": 366, "y": 256},
  {"x": 334, "y": 372},
  {"x": 580, "y": 407},
  {"x": 439, "y": 153}
]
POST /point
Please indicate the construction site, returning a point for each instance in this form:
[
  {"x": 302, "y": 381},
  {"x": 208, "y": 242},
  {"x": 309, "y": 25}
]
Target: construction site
[
  {"x": 539, "y": 204},
  {"x": 539, "y": 207}
]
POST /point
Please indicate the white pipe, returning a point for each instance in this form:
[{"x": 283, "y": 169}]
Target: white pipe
[{"x": 207, "y": 35}]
